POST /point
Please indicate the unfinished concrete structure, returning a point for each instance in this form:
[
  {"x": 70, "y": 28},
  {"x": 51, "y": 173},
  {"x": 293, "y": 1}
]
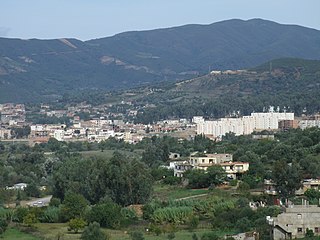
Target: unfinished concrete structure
[{"x": 294, "y": 222}]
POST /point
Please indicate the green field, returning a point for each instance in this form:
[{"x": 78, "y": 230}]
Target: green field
[
  {"x": 14, "y": 234},
  {"x": 52, "y": 230}
]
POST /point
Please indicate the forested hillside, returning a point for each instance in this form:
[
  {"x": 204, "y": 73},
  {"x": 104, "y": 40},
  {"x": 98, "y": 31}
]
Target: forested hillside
[
  {"x": 36, "y": 70},
  {"x": 291, "y": 84}
]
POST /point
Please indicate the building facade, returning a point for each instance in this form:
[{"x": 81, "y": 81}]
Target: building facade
[
  {"x": 244, "y": 125},
  {"x": 294, "y": 222}
]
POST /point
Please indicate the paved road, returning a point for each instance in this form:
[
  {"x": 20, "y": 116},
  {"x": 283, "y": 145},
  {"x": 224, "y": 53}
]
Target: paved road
[{"x": 39, "y": 202}]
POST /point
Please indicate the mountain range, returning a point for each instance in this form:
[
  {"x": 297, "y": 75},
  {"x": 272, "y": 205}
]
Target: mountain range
[{"x": 37, "y": 70}]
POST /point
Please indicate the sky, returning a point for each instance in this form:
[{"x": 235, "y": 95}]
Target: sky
[{"x": 90, "y": 19}]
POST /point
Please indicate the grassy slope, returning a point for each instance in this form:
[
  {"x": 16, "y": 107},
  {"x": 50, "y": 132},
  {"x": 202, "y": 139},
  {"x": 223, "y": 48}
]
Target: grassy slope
[
  {"x": 14, "y": 234},
  {"x": 51, "y": 230}
]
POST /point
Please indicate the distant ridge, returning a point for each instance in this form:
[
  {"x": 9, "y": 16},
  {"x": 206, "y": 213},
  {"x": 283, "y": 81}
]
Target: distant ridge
[{"x": 36, "y": 70}]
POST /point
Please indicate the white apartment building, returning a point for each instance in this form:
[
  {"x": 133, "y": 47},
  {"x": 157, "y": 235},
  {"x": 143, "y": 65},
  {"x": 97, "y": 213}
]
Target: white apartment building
[
  {"x": 270, "y": 120},
  {"x": 197, "y": 119},
  {"x": 244, "y": 125},
  {"x": 303, "y": 124}
]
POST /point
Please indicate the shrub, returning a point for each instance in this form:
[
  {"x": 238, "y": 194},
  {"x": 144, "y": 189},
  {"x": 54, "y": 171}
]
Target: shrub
[
  {"x": 20, "y": 213},
  {"x": 136, "y": 235},
  {"x": 171, "y": 235},
  {"x": 30, "y": 219},
  {"x": 93, "y": 231},
  {"x": 50, "y": 215},
  {"x": 129, "y": 213},
  {"x": 76, "y": 224},
  {"x": 3, "y": 225},
  {"x": 193, "y": 222},
  {"x": 54, "y": 202},
  {"x": 209, "y": 236}
]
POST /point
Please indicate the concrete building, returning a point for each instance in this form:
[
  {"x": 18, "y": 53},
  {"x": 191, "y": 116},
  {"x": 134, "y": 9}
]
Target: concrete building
[
  {"x": 233, "y": 169},
  {"x": 270, "y": 186},
  {"x": 303, "y": 124},
  {"x": 197, "y": 119},
  {"x": 180, "y": 167},
  {"x": 203, "y": 161},
  {"x": 285, "y": 125},
  {"x": 244, "y": 125},
  {"x": 294, "y": 222},
  {"x": 5, "y": 133}
]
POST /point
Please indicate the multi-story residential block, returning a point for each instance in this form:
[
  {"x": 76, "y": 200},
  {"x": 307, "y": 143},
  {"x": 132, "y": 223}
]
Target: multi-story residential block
[
  {"x": 244, "y": 125},
  {"x": 303, "y": 124},
  {"x": 285, "y": 125}
]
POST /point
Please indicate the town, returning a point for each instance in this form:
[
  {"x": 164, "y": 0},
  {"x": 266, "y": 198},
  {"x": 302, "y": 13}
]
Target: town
[{"x": 14, "y": 124}]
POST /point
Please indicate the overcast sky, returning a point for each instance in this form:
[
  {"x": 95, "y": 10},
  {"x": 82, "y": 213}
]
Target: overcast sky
[{"x": 88, "y": 19}]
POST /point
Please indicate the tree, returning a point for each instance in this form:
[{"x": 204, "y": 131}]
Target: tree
[
  {"x": 197, "y": 178},
  {"x": 76, "y": 224},
  {"x": 312, "y": 194},
  {"x": 73, "y": 206},
  {"x": 216, "y": 174},
  {"x": 128, "y": 182},
  {"x": 107, "y": 214},
  {"x": 124, "y": 180},
  {"x": 32, "y": 190},
  {"x": 287, "y": 178},
  {"x": 93, "y": 232}
]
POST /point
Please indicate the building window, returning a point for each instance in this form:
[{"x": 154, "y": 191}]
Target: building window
[
  {"x": 202, "y": 160},
  {"x": 195, "y": 161},
  {"x": 316, "y": 230},
  {"x": 299, "y": 230},
  {"x": 299, "y": 216}
]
